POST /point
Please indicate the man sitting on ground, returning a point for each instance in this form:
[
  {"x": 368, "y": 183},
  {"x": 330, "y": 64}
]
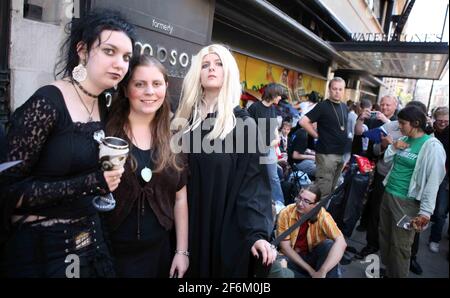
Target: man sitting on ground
[
  {"x": 316, "y": 247},
  {"x": 300, "y": 155}
]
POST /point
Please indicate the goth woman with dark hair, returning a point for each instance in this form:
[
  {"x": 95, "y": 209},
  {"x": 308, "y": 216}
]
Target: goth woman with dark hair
[{"x": 47, "y": 199}]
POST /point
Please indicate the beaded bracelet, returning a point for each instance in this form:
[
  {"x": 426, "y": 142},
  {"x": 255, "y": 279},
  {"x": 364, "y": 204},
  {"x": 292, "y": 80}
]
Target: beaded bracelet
[{"x": 182, "y": 252}]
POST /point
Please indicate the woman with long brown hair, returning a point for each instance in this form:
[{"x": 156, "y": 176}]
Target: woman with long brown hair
[{"x": 152, "y": 193}]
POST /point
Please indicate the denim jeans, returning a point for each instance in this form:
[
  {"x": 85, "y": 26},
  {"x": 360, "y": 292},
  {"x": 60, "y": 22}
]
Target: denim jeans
[
  {"x": 315, "y": 259},
  {"x": 440, "y": 212},
  {"x": 277, "y": 192},
  {"x": 308, "y": 166}
]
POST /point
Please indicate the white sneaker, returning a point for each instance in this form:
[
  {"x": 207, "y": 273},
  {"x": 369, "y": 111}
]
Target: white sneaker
[{"x": 434, "y": 247}]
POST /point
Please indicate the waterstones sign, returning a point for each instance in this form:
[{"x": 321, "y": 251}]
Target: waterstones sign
[{"x": 417, "y": 37}]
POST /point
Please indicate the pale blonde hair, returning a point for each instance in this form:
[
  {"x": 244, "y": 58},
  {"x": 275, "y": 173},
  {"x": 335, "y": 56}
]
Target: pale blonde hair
[{"x": 228, "y": 98}]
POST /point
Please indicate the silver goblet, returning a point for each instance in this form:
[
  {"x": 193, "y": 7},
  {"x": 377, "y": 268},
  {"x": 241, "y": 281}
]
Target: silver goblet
[{"x": 113, "y": 155}]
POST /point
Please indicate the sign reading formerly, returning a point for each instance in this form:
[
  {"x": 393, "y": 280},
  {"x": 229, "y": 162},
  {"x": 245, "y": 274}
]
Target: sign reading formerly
[{"x": 161, "y": 26}]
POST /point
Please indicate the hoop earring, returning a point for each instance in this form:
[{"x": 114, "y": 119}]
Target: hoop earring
[
  {"x": 79, "y": 73},
  {"x": 108, "y": 97}
]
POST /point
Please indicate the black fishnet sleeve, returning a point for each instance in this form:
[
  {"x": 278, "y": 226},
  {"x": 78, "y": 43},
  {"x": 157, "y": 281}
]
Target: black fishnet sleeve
[{"x": 31, "y": 126}]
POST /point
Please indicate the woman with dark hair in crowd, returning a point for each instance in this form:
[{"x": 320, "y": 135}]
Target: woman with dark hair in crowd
[
  {"x": 311, "y": 101},
  {"x": 411, "y": 186},
  {"x": 151, "y": 199},
  {"x": 47, "y": 201},
  {"x": 371, "y": 212}
]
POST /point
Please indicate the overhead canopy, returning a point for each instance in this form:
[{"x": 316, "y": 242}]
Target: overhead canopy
[
  {"x": 259, "y": 29},
  {"x": 414, "y": 60}
]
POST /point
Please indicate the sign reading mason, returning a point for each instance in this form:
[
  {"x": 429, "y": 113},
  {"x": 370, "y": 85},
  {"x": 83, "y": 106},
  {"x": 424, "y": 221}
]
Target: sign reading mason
[
  {"x": 162, "y": 54},
  {"x": 161, "y": 26}
]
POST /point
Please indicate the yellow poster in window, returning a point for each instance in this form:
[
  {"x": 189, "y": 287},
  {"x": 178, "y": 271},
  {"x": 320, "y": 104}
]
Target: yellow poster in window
[{"x": 255, "y": 74}]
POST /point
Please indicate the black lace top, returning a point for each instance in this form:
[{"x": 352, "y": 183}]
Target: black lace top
[{"x": 60, "y": 172}]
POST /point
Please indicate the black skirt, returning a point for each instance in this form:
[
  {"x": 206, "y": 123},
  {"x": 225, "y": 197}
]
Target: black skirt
[
  {"x": 62, "y": 250},
  {"x": 141, "y": 247}
]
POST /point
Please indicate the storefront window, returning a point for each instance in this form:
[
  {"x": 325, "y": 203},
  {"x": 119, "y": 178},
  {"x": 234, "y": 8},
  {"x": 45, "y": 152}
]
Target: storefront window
[
  {"x": 255, "y": 74},
  {"x": 370, "y": 4},
  {"x": 375, "y": 7},
  {"x": 48, "y": 11}
]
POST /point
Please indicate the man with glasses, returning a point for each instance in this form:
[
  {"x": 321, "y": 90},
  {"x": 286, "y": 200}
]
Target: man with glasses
[
  {"x": 316, "y": 247},
  {"x": 440, "y": 116}
]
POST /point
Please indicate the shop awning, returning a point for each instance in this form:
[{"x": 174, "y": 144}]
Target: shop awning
[
  {"x": 414, "y": 60},
  {"x": 259, "y": 29}
]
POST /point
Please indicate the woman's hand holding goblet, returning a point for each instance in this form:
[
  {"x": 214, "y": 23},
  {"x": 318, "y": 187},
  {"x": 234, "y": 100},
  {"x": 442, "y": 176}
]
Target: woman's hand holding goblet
[
  {"x": 113, "y": 154},
  {"x": 113, "y": 178}
]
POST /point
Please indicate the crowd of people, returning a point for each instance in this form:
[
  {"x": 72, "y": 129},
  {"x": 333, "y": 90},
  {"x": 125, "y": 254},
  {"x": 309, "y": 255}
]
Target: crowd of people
[
  {"x": 410, "y": 152},
  {"x": 204, "y": 191}
]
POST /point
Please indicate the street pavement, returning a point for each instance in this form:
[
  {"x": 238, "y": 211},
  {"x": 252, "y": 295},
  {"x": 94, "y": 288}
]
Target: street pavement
[{"x": 434, "y": 265}]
